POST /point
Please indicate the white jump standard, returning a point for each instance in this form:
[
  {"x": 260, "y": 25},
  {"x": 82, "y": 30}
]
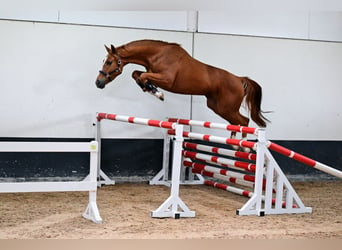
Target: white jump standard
[
  {"x": 88, "y": 184},
  {"x": 173, "y": 206},
  {"x": 261, "y": 200},
  {"x": 265, "y": 165},
  {"x": 271, "y": 192},
  {"x": 170, "y": 208}
]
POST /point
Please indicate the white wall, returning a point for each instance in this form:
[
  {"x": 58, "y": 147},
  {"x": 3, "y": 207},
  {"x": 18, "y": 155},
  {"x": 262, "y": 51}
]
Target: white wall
[
  {"x": 240, "y": 20},
  {"x": 163, "y": 20},
  {"x": 309, "y": 25},
  {"x": 48, "y": 71},
  {"x": 301, "y": 81},
  {"x": 48, "y": 76}
]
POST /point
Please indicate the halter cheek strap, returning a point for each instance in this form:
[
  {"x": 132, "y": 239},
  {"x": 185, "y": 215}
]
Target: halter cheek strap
[{"x": 117, "y": 69}]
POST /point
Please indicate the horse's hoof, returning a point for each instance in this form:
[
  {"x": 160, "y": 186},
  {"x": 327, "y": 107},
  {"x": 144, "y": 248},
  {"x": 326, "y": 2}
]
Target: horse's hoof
[
  {"x": 246, "y": 150},
  {"x": 159, "y": 95}
]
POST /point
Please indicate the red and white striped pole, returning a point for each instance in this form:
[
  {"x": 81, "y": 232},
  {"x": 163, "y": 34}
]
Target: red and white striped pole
[
  {"x": 217, "y": 139},
  {"x": 303, "y": 159},
  {"x": 250, "y": 167},
  {"x": 214, "y": 125},
  {"x": 136, "y": 120},
  {"x": 231, "y": 176},
  {"x": 221, "y": 151},
  {"x": 241, "y": 192}
]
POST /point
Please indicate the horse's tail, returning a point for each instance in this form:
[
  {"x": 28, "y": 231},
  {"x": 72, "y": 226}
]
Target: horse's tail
[{"x": 253, "y": 101}]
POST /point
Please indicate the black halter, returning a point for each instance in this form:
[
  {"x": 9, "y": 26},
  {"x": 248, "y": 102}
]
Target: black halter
[{"x": 117, "y": 69}]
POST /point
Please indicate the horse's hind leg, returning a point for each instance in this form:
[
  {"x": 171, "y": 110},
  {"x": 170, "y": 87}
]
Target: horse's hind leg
[
  {"x": 149, "y": 87},
  {"x": 242, "y": 121},
  {"x": 243, "y": 138},
  {"x": 235, "y": 118},
  {"x": 227, "y": 106}
]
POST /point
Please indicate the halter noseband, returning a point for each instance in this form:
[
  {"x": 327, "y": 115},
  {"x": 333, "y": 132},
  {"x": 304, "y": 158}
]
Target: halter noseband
[{"x": 117, "y": 69}]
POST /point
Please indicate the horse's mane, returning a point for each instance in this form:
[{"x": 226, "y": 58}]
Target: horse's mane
[
  {"x": 147, "y": 41},
  {"x": 144, "y": 45}
]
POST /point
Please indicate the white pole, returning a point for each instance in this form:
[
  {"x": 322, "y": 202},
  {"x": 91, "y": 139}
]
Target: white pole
[
  {"x": 259, "y": 177},
  {"x": 177, "y": 160},
  {"x": 98, "y": 139}
]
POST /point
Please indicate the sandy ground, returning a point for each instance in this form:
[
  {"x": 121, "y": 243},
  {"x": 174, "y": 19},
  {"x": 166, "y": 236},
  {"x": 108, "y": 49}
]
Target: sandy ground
[{"x": 125, "y": 209}]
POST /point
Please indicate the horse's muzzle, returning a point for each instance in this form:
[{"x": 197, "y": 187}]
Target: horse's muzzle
[{"x": 100, "y": 84}]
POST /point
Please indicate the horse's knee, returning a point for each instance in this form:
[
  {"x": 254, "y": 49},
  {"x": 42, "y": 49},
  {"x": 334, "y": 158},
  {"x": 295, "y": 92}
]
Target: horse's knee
[{"x": 136, "y": 75}]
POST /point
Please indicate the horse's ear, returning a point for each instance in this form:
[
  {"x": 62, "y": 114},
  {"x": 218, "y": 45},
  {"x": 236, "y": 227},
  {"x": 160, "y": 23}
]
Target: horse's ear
[
  {"x": 108, "y": 49},
  {"x": 113, "y": 48}
]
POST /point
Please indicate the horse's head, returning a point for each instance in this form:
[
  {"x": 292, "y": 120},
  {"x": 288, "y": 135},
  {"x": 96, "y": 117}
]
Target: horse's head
[{"x": 111, "y": 68}]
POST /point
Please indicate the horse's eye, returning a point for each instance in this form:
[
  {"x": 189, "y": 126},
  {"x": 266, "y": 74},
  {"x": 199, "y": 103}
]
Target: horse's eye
[{"x": 108, "y": 63}]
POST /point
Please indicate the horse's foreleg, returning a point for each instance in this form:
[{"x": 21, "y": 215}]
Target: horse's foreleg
[
  {"x": 136, "y": 76},
  {"x": 154, "y": 91},
  {"x": 147, "y": 85},
  {"x": 164, "y": 80}
]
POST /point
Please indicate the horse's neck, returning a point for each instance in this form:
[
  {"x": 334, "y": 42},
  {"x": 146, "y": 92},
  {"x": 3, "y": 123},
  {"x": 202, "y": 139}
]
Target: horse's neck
[{"x": 133, "y": 55}]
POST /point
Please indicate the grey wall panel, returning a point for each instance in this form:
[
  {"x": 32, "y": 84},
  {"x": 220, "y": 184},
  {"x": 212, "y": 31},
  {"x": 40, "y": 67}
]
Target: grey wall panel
[
  {"x": 300, "y": 80},
  {"x": 255, "y": 23},
  {"x": 326, "y": 25},
  {"x": 48, "y": 81},
  {"x": 165, "y": 20}
]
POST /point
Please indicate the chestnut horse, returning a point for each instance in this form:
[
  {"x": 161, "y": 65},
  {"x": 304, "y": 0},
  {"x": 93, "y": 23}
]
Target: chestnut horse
[{"x": 170, "y": 67}]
